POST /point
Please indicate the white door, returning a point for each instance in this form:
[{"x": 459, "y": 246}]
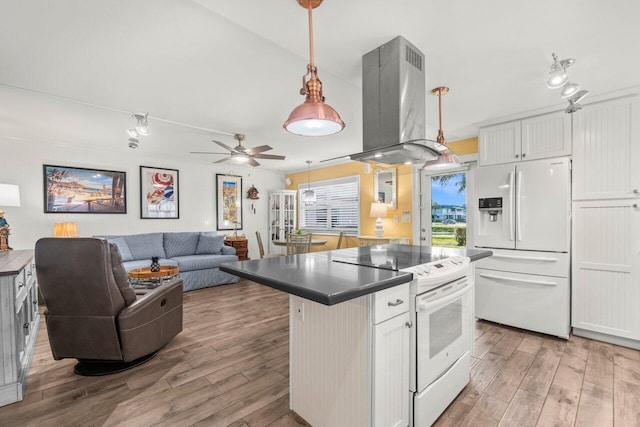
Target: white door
[
  {"x": 491, "y": 182},
  {"x": 543, "y": 205},
  {"x": 606, "y": 267},
  {"x": 391, "y": 372},
  {"x": 499, "y": 144}
]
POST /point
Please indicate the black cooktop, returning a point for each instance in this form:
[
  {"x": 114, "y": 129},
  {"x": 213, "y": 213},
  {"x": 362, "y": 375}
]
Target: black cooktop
[{"x": 397, "y": 257}]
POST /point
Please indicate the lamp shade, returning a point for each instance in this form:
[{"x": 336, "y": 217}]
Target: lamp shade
[
  {"x": 378, "y": 210},
  {"x": 314, "y": 118},
  {"x": 65, "y": 229},
  {"x": 9, "y": 195}
]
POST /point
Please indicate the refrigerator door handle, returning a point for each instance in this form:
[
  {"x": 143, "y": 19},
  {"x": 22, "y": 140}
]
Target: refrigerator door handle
[
  {"x": 519, "y": 208},
  {"x": 511, "y": 211},
  {"x": 512, "y": 279}
]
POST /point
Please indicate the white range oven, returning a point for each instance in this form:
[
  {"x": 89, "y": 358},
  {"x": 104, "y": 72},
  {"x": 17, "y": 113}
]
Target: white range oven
[{"x": 441, "y": 342}]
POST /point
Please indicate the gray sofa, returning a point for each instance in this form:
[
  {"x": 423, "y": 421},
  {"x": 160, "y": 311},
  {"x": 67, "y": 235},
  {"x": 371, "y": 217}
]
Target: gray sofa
[{"x": 197, "y": 254}]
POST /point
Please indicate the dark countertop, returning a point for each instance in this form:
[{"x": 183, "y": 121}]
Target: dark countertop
[
  {"x": 11, "y": 262},
  {"x": 331, "y": 277}
]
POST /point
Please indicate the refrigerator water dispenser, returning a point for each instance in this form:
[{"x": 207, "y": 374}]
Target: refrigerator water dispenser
[{"x": 491, "y": 206}]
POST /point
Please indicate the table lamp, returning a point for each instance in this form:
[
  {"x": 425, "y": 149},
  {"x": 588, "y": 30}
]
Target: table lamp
[
  {"x": 378, "y": 210},
  {"x": 9, "y": 196},
  {"x": 65, "y": 229}
]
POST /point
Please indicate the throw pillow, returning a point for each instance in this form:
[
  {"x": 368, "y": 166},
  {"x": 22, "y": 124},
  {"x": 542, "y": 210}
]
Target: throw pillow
[
  {"x": 125, "y": 252},
  {"x": 208, "y": 244},
  {"x": 180, "y": 244}
]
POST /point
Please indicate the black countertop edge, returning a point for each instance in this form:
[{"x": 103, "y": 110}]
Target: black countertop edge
[{"x": 322, "y": 298}]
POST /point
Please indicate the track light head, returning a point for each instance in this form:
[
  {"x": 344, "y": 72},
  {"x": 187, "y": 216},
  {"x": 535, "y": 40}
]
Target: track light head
[
  {"x": 558, "y": 74},
  {"x": 569, "y": 89},
  {"x": 133, "y": 143},
  {"x": 142, "y": 127},
  {"x": 133, "y": 133}
]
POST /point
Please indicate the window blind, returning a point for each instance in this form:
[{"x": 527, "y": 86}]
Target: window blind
[{"x": 337, "y": 206}]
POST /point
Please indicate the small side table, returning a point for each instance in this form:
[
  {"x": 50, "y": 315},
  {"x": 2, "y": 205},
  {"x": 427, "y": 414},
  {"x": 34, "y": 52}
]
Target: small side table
[
  {"x": 144, "y": 278},
  {"x": 241, "y": 244}
]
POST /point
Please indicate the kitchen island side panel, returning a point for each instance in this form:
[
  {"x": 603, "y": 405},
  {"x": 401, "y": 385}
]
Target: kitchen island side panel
[{"x": 330, "y": 369}]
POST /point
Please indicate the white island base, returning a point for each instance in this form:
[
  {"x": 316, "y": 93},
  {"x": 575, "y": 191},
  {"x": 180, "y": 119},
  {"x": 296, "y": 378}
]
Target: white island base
[{"x": 349, "y": 362}]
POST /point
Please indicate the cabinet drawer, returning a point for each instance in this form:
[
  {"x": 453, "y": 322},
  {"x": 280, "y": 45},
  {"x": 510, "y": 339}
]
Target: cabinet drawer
[
  {"x": 527, "y": 262},
  {"x": 536, "y": 303},
  {"x": 30, "y": 272},
  {"x": 390, "y": 302}
]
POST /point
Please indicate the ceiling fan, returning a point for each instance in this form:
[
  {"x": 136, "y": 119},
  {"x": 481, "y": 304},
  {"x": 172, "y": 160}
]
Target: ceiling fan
[{"x": 242, "y": 154}]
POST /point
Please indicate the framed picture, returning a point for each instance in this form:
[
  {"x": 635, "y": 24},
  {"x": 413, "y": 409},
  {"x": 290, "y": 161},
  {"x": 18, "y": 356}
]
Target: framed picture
[
  {"x": 79, "y": 190},
  {"x": 229, "y": 202},
  {"x": 159, "y": 193}
]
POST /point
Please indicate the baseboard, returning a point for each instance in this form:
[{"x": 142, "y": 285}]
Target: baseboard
[{"x": 611, "y": 339}]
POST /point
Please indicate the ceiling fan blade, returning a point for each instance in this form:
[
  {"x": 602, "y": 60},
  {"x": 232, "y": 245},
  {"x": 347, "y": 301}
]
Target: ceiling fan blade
[
  {"x": 207, "y": 152},
  {"x": 223, "y": 160},
  {"x": 256, "y": 150},
  {"x": 252, "y": 162},
  {"x": 269, "y": 156},
  {"x": 223, "y": 145}
]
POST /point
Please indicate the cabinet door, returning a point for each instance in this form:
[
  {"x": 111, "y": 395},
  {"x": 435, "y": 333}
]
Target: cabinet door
[
  {"x": 500, "y": 144},
  {"x": 391, "y": 372},
  {"x": 546, "y": 136},
  {"x": 606, "y": 150},
  {"x": 605, "y": 271}
]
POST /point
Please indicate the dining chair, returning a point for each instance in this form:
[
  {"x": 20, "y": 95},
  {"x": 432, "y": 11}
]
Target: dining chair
[
  {"x": 261, "y": 248},
  {"x": 298, "y": 243},
  {"x": 340, "y": 236}
]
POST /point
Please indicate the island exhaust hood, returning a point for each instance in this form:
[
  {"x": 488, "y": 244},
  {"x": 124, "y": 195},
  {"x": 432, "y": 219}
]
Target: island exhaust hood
[{"x": 393, "y": 101}]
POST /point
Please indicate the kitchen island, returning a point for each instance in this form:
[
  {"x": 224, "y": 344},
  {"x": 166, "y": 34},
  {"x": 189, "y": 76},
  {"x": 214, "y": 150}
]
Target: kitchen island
[{"x": 349, "y": 329}]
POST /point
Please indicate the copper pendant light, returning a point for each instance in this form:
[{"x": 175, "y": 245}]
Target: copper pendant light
[
  {"x": 447, "y": 159},
  {"x": 313, "y": 117}
]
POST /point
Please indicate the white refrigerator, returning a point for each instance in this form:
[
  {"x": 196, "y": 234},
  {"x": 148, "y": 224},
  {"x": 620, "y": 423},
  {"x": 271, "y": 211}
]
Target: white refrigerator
[{"x": 524, "y": 216}]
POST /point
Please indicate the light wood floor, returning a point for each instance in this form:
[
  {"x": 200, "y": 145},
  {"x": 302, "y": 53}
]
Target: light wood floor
[{"x": 229, "y": 367}]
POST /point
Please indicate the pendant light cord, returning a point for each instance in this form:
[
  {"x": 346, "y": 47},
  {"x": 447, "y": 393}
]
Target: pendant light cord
[{"x": 311, "y": 59}]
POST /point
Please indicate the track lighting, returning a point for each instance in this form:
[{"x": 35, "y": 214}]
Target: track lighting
[
  {"x": 558, "y": 74},
  {"x": 133, "y": 143},
  {"x": 569, "y": 89},
  {"x": 573, "y": 101},
  {"x": 133, "y": 133},
  {"x": 142, "y": 127}
]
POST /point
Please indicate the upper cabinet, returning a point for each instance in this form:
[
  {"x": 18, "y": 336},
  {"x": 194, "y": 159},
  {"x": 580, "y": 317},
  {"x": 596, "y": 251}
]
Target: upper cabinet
[
  {"x": 539, "y": 137},
  {"x": 606, "y": 150}
]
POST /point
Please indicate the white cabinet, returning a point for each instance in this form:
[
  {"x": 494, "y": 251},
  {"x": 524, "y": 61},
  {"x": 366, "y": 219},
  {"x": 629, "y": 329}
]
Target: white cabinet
[
  {"x": 349, "y": 362},
  {"x": 19, "y": 322},
  {"x": 391, "y": 372},
  {"x": 538, "y": 137},
  {"x": 282, "y": 215},
  {"x": 607, "y": 150},
  {"x": 606, "y": 222}
]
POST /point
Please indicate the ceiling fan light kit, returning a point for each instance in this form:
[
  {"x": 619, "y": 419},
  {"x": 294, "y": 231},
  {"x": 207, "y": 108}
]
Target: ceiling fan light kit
[
  {"x": 558, "y": 78},
  {"x": 313, "y": 117},
  {"x": 241, "y": 154}
]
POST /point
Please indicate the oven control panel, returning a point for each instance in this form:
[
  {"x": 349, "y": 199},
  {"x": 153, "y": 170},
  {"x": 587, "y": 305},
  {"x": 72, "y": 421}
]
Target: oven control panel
[{"x": 439, "y": 272}]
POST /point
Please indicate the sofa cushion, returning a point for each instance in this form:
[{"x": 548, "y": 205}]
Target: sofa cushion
[
  {"x": 121, "y": 276},
  {"x": 209, "y": 244},
  {"x": 202, "y": 262},
  {"x": 123, "y": 248},
  {"x": 145, "y": 246},
  {"x": 180, "y": 244},
  {"x": 140, "y": 263}
]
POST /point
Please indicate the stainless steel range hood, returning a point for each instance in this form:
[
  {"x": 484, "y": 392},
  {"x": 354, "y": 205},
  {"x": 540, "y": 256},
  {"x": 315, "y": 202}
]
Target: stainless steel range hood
[{"x": 393, "y": 100}]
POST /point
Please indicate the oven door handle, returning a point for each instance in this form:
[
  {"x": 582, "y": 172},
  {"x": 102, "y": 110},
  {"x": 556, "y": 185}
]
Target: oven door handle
[
  {"x": 512, "y": 279},
  {"x": 441, "y": 302}
]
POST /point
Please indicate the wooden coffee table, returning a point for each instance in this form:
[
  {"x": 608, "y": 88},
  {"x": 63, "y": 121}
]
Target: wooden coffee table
[{"x": 144, "y": 278}]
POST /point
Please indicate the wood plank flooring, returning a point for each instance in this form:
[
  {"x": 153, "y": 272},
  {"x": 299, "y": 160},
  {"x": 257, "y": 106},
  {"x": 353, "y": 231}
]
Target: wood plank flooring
[{"x": 230, "y": 367}]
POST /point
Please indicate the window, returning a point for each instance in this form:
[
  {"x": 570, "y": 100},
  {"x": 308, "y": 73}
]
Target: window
[
  {"x": 449, "y": 210},
  {"x": 337, "y": 206}
]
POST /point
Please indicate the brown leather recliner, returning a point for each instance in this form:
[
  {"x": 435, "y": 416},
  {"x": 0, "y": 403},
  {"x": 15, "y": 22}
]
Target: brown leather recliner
[{"x": 94, "y": 315}]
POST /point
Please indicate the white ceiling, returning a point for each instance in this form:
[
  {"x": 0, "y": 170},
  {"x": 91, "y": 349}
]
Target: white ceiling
[{"x": 236, "y": 66}]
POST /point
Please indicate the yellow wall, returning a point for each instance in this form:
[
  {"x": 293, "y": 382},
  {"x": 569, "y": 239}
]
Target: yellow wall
[{"x": 404, "y": 193}]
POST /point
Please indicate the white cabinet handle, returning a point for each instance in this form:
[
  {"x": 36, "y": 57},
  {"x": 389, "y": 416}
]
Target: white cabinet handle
[
  {"x": 511, "y": 205},
  {"x": 395, "y": 303},
  {"x": 635, "y": 191},
  {"x": 518, "y": 219},
  {"x": 527, "y": 258},
  {"x": 511, "y": 279},
  {"x": 409, "y": 324}
]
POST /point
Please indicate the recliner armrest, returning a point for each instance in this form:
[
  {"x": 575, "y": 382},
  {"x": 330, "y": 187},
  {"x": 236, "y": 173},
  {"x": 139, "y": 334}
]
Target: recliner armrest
[{"x": 151, "y": 305}]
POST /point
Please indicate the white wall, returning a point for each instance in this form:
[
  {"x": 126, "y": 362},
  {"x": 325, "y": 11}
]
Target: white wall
[{"x": 21, "y": 163}]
